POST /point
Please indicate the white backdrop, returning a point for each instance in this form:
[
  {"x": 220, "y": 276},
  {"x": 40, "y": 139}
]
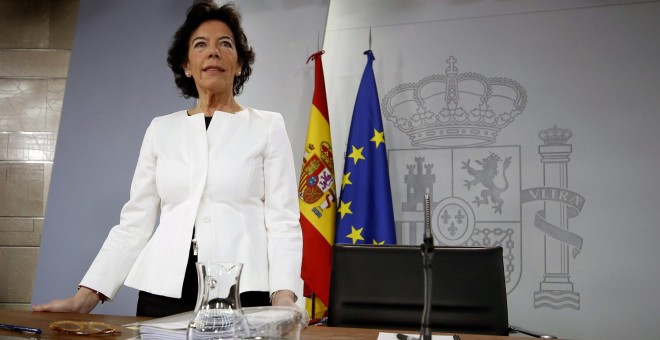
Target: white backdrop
[{"x": 590, "y": 67}]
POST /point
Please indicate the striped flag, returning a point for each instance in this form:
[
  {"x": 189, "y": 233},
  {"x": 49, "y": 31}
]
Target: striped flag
[
  {"x": 317, "y": 198},
  {"x": 365, "y": 210}
]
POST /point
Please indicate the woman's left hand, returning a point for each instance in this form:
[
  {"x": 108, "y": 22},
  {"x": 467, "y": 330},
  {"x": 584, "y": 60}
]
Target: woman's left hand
[{"x": 284, "y": 298}]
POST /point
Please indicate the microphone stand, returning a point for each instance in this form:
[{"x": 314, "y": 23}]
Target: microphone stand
[{"x": 427, "y": 262}]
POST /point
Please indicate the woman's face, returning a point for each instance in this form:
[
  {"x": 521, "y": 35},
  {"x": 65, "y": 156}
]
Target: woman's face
[{"x": 212, "y": 57}]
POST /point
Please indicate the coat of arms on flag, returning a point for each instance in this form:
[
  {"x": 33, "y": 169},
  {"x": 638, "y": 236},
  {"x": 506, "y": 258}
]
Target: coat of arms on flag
[{"x": 317, "y": 179}]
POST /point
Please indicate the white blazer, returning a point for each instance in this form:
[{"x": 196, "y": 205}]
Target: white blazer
[{"x": 235, "y": 183}]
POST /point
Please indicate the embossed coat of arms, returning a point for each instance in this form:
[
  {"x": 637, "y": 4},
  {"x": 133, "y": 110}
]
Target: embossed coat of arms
[{"x": 474, "y": 187}]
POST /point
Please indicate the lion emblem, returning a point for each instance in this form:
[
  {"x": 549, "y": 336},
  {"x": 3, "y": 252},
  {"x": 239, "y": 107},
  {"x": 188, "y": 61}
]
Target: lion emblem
[{"x": 486, "y": 177}]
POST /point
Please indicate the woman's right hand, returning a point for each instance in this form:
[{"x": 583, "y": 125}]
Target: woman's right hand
[{"x": 82, "y": 302}]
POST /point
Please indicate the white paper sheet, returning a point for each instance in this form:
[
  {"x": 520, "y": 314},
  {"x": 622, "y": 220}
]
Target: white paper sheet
[{"x": 393, "y": 336}]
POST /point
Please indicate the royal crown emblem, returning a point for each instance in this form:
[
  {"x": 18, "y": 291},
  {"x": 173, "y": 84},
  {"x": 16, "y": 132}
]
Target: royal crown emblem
[
  {"x": 454, "y": 109},
  {"x": 555, "y": 136}
]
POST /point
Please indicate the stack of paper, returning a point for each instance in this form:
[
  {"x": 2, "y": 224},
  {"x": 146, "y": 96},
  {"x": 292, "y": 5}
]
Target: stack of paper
[
  {"x": 281, "y": 322},
  {"x": 169, "y": 327}
]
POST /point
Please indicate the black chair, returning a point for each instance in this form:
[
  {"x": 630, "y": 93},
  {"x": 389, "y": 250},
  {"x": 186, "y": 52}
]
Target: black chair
[{"x": 382, "y": 286}]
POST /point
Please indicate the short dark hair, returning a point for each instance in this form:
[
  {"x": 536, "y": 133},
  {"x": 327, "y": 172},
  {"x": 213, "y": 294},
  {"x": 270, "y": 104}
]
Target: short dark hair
[{"x": 198, "y": 13}]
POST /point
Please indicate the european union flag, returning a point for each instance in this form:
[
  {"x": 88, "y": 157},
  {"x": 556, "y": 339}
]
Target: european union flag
[{"x": 365, "y": 214}]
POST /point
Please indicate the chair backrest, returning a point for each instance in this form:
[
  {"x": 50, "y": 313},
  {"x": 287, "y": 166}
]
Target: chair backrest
[{"x": 383, "y": 287}]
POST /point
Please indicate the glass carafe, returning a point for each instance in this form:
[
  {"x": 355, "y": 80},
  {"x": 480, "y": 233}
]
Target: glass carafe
[{"x": 218, "y": 313}]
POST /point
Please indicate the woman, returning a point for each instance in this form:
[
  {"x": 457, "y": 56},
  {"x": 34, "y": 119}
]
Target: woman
[{"x": 220, "y": 174}]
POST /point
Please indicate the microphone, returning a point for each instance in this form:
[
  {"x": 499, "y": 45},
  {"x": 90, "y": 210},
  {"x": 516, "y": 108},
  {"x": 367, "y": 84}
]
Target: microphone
[
  {"x": 427, "y": 261},
  {"x": 428, "y": 236}
]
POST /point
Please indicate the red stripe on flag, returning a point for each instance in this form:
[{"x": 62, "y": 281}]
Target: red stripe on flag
[
  {"x": 319, "y": 100},
  {"x": 317, "y": 260}
]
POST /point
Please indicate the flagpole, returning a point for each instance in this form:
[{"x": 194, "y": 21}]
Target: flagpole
[{"x": 313, "y": 306}]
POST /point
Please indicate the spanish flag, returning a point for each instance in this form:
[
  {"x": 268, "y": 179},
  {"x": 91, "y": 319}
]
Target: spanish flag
[{"x": 317, "y": 198}]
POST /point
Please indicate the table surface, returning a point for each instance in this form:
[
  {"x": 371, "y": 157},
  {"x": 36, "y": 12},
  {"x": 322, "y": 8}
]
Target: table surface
[{"x": 42, "y": 320}]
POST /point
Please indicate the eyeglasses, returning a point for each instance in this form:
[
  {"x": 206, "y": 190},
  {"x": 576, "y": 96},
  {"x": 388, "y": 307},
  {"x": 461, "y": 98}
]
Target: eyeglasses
[{"x": 83, "y": 328}]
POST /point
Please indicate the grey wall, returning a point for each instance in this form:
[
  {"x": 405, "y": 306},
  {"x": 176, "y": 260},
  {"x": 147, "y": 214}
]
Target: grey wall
[
  {"x": 119, "y": 81},
  {"x": 284, "y": 33},
  {"x": 587, "y": 66}
]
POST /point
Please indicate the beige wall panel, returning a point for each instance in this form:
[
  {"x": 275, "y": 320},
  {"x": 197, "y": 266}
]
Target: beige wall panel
[
  {"x": 23, "y": 104},
  {"x": 18, "y": 265},
  {"x": 20, "y": 231},
  {"x": 54, "y": 99},
  {"x": 24, "y": 23},
  {"x": 4, "y": 143},
  {"x": 31, "y": 146},
  {"x": 16, "y": 306},
  {"x": 62, "y": 23},
  {"x": 34, "y": 63},
  {"x": 35, "y": 41},
  {"x": 21, "y": 189}
]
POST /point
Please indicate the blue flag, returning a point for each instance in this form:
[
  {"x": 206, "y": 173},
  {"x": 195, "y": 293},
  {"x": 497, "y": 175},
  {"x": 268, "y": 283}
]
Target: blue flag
[{"x": 365, "y": 214}]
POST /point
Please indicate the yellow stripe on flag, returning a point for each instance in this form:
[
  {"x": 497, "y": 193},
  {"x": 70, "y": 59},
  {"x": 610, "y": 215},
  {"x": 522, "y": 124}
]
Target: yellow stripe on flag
[{"x": 319, "y": 308}]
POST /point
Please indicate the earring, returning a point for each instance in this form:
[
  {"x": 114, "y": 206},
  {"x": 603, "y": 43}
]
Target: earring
[{"x": 188, "y": 74}]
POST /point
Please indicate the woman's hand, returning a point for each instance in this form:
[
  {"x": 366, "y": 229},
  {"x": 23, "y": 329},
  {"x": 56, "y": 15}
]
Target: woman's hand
[
  {"x": 284, "y": 298},
  {"x": 82, "y": 302}
]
